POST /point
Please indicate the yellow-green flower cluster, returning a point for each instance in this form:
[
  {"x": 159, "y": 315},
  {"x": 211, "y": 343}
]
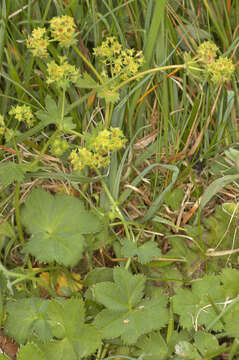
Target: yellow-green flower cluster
[
  {"x": 38, "y": 42},
  {"x": 82, "y": 157},
  {"x": 62, "y": 74},
  {"x": 106, "y": 141},
  {"x": 110, "y": 95},
  {"x": 118, "y": 61},
  {"x": 207, "y": 52},
  {"x": 221, "y": 70},
  {"x": 218, "y": 70},
  {"x": 96, "y": 153},
  {"x": 23, "y": 113},
  {"x": 11, "y": 134},
  {"x": 63, "y": 30},
  {"x": 59, "y": 146}
]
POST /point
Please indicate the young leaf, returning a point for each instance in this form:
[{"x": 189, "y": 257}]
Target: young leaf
[
  {"x": 7, "y": 231},
  {"x": 153, "y": 347},
  {"x": 86, "y": 82},
  {"x": 194, "y": 306},
  {"x": 126, "y": 314},
  {"x": 57, "y": 224},
  {"x": 230, "y": 280},
  {"x": 206, "y": 343},
  {"x": 125, "y": 292},
  {"x": 187, "y": 351},
  {"x": 10, "y": 172},
  {"x": 53, "y": 115},
  {"x": 145, "y": 252},
  {"x": 27, "y": 317},
  {"x": 231, "y": 319},
  {"x": 98, "y": 275}
]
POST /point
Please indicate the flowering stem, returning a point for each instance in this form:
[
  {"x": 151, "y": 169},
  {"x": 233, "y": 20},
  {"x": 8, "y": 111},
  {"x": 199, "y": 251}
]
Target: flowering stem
[
  {"x": 114, "y": 206},
  {"x": 17, "y": 203},
  {"x": 63, "y": 105},
  {"x": 88, "y": 64},
  {"x": 107, "y": 115},
  {"x": 161, "y": 68},
  {"x": 75, "y": 133},
  {"x": 17, "y": 213},
  {"x": 44, "y": 149}
]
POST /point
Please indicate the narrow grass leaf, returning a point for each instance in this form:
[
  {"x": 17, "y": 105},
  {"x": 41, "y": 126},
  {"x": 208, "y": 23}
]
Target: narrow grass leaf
[{"x": 215, "y": 187}]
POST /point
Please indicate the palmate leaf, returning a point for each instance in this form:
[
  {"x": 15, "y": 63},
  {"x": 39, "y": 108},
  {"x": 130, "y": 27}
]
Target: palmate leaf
[
  {"x": 127, "y": 315},
  {"x": 230, "y": 281},
  {"x": 57, "y": 224},
  {"x": 185, "y": 350},
  {"x": 145, "y": 252},
  {"x": 125, "y": 292},
  {"x": 194, "y": 306},
  {"x": 206, "y": 343},
  {"x": 27, "y": 317},
  {"x": 56, "y": 326},
  {"x": 153, "y": 347},
  {"x": 231, "y": 319},
  {"x": 30, "y": 351},
  {"x": 78, "y": 339},
  {"x": 10, "y": 172},
  {"x": 53, "y": 115}
]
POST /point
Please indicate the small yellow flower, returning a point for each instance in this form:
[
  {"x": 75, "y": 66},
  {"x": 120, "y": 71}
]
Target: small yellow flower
[
  {"x": 207, "y": 52},
  {"x": 62, "y": 74},
  {"x": 59, "y": 146},
  {"x": 38, "y": 42},
  {"x": 63, "y": 30},
  {"x": 23, "y": 113},
  {"x": 98, "y": 148},
  {"x": 38, "y": 33},
  {"x": 221, "y": 70},
  {"x": 125, "y": 63}
]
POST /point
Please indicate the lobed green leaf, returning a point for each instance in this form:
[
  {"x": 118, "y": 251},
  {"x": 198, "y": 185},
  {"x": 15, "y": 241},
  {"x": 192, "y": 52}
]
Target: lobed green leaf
[{"x": 57, "y": 224}]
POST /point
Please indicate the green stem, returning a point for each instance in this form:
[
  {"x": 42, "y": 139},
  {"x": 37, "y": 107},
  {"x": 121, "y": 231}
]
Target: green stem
[
  {"x": 17, "y": 213},
  {"x": 39, "y": 280},
  {"x": 115, "y": 206},
  {"x": 63, "y": 106},
  {"x": 107, "y": 115},
  {"x": 104, "y": 351},
  {"x": 121, "y": 217},
  {"x": 75, "y": 133},
  {"x": 10, "y": 274},
  {"x": 17, "y": 202},
  {"x": 88, "y": 64},
  {"x": 161, "y": 68},
  {"x": 44, "y": 149}
]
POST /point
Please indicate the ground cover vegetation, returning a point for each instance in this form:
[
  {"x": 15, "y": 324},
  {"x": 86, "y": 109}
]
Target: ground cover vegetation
[{"x": 119, "y": 173}]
